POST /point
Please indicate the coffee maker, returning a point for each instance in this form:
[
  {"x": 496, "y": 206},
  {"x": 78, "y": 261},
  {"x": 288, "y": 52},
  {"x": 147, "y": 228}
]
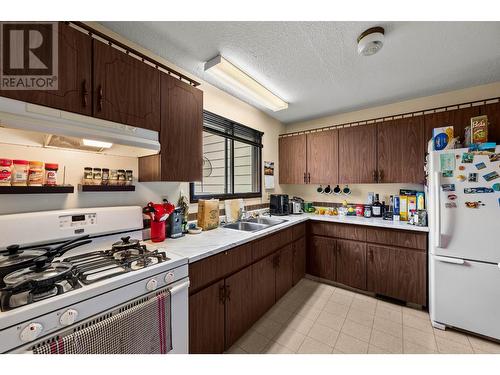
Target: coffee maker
[
  {"x": 174, "y": 225},
  {"x": 279, "y": 204}
]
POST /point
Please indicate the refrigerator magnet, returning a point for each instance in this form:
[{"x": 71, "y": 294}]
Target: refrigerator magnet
[
  {"x": 448, "y": 187},
  {"x": 495, "y": 157},
  {"x": 447, "y": 173},
  {"x": 447, "y": 162},
  {"x": 472, "y": 177},
  {"x": 491, "y": 176},
  {"x": 450, "y": 205},
  {"x": 477, "y": 190},
  {"x": 467, "y": 157},
  {"x": 474, "y": 204},
  {"x": 496, "y": 186},
  {"x": 462, "y": 168},
  {"x": 461, "y": 178},
  {"x": 480, "y": 165},
  {"x": 452, "y": 197}
]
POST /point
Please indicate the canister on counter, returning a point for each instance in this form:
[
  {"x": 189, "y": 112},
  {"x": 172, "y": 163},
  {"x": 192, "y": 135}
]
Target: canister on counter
[
  {"x": 360, "y": 210},
  {"x": 368, "y": 210}
]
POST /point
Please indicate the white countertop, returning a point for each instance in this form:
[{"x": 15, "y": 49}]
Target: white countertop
[{"x": 199, "y": 246}]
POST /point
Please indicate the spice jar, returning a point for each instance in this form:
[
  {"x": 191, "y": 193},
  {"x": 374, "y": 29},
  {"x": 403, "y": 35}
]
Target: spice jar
[
  {"x": 368, "y": 211},
  {"x": 5, "y": 172},
  {"x": 19, "y": 172},
  {"x": 35, "y": 173},
  {"x": 105, "y": 176},
  {"x": 113, "y": 177},
  {"x": 129, "y": 174},
  {"x": 122, "y": 179},
  {"x": 87, "y": 176},
  {"x": 97, "y": 176},
  {"x": 51, "y": 174},
  {"x": 360, "y": 210}
]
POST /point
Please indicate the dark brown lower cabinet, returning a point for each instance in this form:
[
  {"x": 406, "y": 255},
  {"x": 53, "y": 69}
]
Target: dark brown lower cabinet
[
  {"x": 398, "y": 273},
  {"x": 239, "y": 307},
  {"x": 284, "y": 271},
  {"x": 321, "y": 257},
  {"x": 299, "y": 260},
  {"x": 351, "y": 263},
  {"x": 264, "y": 279},
  {"x": 206, "y": 320}
]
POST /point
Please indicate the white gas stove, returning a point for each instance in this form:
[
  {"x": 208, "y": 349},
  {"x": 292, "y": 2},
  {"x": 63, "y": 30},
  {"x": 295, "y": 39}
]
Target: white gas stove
[{"x": 115, "y": 271}]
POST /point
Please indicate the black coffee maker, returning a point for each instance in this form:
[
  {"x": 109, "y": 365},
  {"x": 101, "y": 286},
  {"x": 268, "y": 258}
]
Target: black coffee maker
[
  {"x": 279, "y": 205},
  {"x": 174, "y": 224}
]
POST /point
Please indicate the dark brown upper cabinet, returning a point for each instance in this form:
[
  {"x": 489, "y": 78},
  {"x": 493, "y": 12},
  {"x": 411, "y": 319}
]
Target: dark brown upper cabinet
[
  {"x": 292, "y": 159},
  {"x": 74, "y": 76},
  {"x": 400, "y": 143},
  {"x": 358, "y": 154},
  {"x": 181, "y": 135},
  {"x": 322, "y": 157},
  {"x": 125, "y": 90}
]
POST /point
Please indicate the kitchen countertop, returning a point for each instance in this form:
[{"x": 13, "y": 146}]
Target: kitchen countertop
[{"x": 199, "y": 246}]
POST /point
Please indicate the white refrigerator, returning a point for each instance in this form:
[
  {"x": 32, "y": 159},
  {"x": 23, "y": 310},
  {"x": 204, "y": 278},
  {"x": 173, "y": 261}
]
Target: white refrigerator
[{"x": 464, "y": 244}]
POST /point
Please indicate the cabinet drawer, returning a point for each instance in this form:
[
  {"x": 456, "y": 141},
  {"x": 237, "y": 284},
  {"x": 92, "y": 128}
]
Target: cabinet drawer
[
  {"x": 270, "y": 244},
  {"x": 344, "y": 231},
  {"x": 298, "y": 231},
  {"x": 399, "y": 238},
  {"x": 207, "y": 270}
]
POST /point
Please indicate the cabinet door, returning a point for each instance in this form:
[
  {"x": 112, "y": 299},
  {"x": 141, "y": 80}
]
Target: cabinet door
[
  {"x": 322, "y": 157},
  {"x": 181, "y": 132},
  {"x": 398, "y": 273},
  {"x": 351, "y": 263},
  {"x": 458, "y": 118},
  {"x": 126, "y": 90},
  {"x": 74, "y": 76},
  {"x": 299, "y": 260},
  {"x": 292, "y": 159},
  {"x": 493, "y": 113},
  {"x": 239, "y": 306},
  {"x": 400, "y": 150},
  {"x": 206, "y": 320},
  {"x": 357, "y": 154},
  {"x": 284, "y": 271},
  {"x": 264, "y": 283},
  {"x": 321, "y": 257}
]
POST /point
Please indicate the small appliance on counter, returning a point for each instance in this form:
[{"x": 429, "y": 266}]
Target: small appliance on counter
[
  {"x": 174, "y": 225},
  {"x": 279, "y": 205},
  {"x": 296, "y": 206}
]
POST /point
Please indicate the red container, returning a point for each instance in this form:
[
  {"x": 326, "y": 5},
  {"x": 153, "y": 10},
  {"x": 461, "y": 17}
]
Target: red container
[
  {"x": 360, "y": 210},
  {"x": 157, "y": 231}
]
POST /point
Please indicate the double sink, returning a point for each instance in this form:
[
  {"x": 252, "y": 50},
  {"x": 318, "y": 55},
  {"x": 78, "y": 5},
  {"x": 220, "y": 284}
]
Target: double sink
[{"x": 254, "y": 224}]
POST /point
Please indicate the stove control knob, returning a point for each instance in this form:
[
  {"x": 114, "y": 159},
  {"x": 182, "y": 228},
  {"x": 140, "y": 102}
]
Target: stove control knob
[
  {"x": 169, "y": 277},
  {"x": 31, "y": 332},
  {"x": 151, "y": 285},
  {"x": 68, "y": 317}
]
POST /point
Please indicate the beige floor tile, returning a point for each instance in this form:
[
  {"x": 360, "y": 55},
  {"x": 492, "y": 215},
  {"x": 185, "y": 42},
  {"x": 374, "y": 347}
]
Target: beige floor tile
[
  {"x": 344, "y": 299},
  {"x": 389, "y": 305},
  {"x": 290, "y": 338},
  {"x": 387, "y": 342},
  {"x": 336, "y": 351},
  {"x": 449, "y": 334},
  {"x": 336, "y": 308},
  {"x": 419, "y": 337},
  {"x": 356, "y": 330},
  {"x": 308, "y": 312},
  {"x": 362, "y": 317},
  {"x": 301, "y": 324},
  {"x": 363, "y": 305},
  {"x": 279, "y": 315},
  {"x": 388, "y": 326},
  {"x": 345, "y": 292},
  {"x": 290, "y": 304},
  {"x": 415, "y": 312},
  {"x": 253, "y": 342},
  {"x": 312, "y": 346},
  {"x": 324, "y": 334},
  {"x": 412, "y": 348},
  {"x": 417, "y": 323},
  {"x": 372, "y": 349},
  {"x": 350, "y": 345},
  {"x": 276, "y": 348},
  {"x": 388, "y": 313},
  {"x": 330, "y": 320},
  {"x": 446, "y": 346},
  {"x": 267, "y": 327},
  {"x": 316, "y": 302},
  {"x": 235, "y": 350},
  {"x": 484, "y": 345},
  {"x": 366, "y": 298}
]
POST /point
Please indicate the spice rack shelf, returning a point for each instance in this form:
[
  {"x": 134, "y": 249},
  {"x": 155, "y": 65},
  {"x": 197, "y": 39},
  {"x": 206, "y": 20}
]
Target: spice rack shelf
[
  {"x": 104, "y": 188},
  {"x": 66, "y": 189}
]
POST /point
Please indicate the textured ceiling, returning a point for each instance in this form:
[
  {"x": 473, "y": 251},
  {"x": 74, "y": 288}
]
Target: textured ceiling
[{"x": 315, "y": 66}]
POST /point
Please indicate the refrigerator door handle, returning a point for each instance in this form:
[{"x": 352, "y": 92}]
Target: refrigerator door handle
[
  {"x": 450, "y": 260},
  {"x": 437, "y": 241}
]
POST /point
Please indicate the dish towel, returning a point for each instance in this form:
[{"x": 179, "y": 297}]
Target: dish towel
[{"x": 144, "y": 328}]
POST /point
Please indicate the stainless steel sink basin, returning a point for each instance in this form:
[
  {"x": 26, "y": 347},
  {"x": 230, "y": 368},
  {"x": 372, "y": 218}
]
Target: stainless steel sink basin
[
  {"x": 266, "y": 220},
  {"x": 246, "y": 226}
]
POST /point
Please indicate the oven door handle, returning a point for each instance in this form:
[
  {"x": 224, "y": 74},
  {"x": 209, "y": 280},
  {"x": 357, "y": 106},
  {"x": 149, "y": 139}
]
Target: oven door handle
[{"x": 173, "y": 290}]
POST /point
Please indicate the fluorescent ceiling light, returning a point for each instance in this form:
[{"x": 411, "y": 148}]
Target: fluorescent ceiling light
[
  {"x": 98, "y": 144},
  {"x": 241, "y": 81}
]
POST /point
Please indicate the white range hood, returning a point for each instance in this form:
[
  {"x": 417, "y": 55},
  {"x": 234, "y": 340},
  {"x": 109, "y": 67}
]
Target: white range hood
[{"x": 33, "y": 125}]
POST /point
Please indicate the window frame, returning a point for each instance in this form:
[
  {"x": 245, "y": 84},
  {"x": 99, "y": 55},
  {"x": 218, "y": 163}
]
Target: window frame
[{"x": 230, "y": 139}]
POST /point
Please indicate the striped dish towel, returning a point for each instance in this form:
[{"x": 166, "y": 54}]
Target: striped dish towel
[{"x": 142, "y": 329}]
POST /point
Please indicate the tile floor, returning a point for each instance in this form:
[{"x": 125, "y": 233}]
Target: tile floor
[{"x": 318, "y": 318}]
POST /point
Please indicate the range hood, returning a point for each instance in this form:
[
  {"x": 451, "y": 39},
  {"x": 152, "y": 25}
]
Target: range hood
[{"x": 33, "y": 125}]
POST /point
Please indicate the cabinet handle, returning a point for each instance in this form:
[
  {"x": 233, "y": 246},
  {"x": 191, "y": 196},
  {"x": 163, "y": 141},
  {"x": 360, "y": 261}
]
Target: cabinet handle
[
  {"x": 305, "y": 180},
  {"x": 380, "y": 175},
  {"x": 222, "y": 294},
  {"x": 100, "y": 99},
  {"x": 308, "y": 177},
  {"x": 85, "y": 94},
  {"x": 375, "y": 179},
  {"x": 227, "y": 293}
]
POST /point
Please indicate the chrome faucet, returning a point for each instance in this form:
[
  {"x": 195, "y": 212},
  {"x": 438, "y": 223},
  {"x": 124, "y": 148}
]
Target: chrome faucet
[{"x": 243, "y": 214}]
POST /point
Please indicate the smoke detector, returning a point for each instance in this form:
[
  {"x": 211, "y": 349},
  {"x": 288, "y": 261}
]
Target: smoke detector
[{"x": 371, "y": 41}]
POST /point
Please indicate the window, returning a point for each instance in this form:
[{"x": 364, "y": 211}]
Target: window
[{"x": 231, "y": 160}]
